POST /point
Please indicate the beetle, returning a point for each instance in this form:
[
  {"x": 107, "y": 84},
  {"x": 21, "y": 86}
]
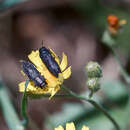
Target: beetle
[
  {"x": 49, "y": 61},
  {"x": 33, "y": 74}
]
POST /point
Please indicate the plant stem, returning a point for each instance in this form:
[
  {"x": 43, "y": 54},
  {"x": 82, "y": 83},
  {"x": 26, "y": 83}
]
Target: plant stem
[
  {"x": 37, "y": 96},
  {"x": 24, "y": 106},
  {"x": 126, "y": 77},
  {"x": 92, "y": 102},
  {"x": 123, "y": 71},
  {"x": 110, "y": 41}
]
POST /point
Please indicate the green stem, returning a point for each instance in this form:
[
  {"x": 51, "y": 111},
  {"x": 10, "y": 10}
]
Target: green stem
[
  {"x": 126, "y": 77},
  {"x": 123, "y": 71},
  {"x": 24, "y": 106},
  {"x": 91, "y": 94},
  {"x": 37, "y": 96},
  {"x": 8, "y": 110},
  {"x": 72, "y": 94},
  {"x": 92, "y": 102},
  {"x": 110, "y": 41}
]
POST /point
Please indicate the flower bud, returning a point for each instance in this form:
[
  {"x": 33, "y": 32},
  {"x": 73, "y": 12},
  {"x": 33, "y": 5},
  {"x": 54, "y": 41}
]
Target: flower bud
[
  {"x": 93, "y": 84},
  {"x": 115, "y": 24},
  {"x": 94, "y": 70}
]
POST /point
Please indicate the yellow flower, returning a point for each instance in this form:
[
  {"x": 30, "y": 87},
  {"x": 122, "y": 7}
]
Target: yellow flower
[
  {"x": 71, "y": 126},
  {"x": 53, "y": 83}
]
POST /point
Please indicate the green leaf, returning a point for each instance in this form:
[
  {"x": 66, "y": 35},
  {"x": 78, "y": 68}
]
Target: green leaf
[{"x": 8, "y": 110}]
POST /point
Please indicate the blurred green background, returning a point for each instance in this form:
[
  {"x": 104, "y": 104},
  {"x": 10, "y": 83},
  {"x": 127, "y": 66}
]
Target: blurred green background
[{"x": 75, "y": 27}]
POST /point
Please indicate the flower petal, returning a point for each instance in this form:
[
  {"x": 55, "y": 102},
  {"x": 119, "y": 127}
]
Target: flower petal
[
  {"x": 32, "y": 89},
  {"x": 59, "y": 128},
  {"x": 66, "y": 74},
  {"x": 70, "y": 126},
  {"x": 64, "y": 62},
  {"x": 122, "y": 22},
  {"x": 53, "y": 91},
  {"x": 60, "y": 78},
  {"x": 112, "y": 30},
  {"x": 55, "y": 56},
  {"x": 85, "y": 128},
  {"x": 36, "y": 60},
  {"x": 51, "y": 80}
]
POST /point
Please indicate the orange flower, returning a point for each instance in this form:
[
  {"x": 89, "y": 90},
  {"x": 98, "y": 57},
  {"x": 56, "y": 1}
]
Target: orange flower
[
  {"x": 113, "y": 21},
  {"x": 114, "y": 24}
]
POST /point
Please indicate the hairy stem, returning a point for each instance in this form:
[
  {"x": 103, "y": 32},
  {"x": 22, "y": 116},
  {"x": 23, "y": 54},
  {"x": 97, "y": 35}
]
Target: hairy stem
[
  {"x": 92, "y": 102},
  {"x": 123, "y": 71}
]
